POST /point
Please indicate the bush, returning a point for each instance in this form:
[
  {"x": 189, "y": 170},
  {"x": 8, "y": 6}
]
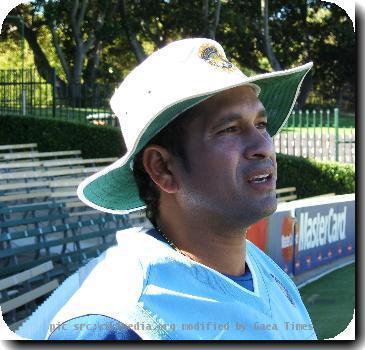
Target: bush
[
  {"x": 312, "y": 178},
  {"x": 59, "y": 135}
]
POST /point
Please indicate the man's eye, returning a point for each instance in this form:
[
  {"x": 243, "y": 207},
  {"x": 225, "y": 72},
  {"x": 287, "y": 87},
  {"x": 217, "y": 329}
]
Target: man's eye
[
  {"x": 261, "y": 125},
  {"x": 228, "y": 130}
]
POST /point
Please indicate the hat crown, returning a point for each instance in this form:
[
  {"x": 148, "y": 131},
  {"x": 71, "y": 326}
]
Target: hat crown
[{"x": 178, "y": 71}]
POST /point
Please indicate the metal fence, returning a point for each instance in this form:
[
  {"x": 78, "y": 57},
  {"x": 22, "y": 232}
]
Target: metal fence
[
  {"x": 25, "y": 92},
  {"x": 323, "y": 135},
  {"x": 320, "y": 134}
]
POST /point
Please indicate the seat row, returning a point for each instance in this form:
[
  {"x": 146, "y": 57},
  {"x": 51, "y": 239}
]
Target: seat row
[{"x": 46, "y": 232}]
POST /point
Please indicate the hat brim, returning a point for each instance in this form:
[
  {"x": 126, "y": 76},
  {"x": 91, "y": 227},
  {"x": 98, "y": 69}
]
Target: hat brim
[{"x": 114, "y": 190}]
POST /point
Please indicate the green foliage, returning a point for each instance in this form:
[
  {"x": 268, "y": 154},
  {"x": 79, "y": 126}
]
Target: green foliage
[
  {"x": 300, "y": 31},
  {"x": 58, "y": 135},
  {"x": 312, "y": 178},
  {"x": 332, "y": 49},
  {"x": 10, "y": 54}
]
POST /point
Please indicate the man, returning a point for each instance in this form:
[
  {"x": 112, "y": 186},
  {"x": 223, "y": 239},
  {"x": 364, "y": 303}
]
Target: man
[{"x": 201, "y": 158}]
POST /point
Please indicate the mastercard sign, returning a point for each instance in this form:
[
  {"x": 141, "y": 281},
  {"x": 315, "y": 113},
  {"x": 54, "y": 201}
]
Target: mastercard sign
[{"x": 323, "y": 234}]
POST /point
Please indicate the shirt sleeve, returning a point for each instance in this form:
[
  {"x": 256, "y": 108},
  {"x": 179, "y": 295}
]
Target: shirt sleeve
[
  {"x": 93, "y": 327},
  {"x": 111, "y": 290}
]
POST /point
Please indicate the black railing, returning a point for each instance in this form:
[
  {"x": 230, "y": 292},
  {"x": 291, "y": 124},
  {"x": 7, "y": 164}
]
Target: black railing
[{"x": 24, "y": 92}]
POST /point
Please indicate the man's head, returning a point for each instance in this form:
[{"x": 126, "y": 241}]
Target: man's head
[
  {"x": 174, "y": 79},
  {"x": 172, "y": 139},
  {"x": 217, "y": 160}
]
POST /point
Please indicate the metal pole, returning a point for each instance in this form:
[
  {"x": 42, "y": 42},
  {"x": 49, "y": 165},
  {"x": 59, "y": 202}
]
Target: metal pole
[
  {"x": 329, "y": 136},
  {"x": 24, "y": 102},
  {"x": 321, "y": 121},
  {"x": 307, "y": 154},
  {"x": 21, "y": 19},
  {"x": 335, "y": 111},
  {"x": 300, "y": 132},
  {"x": 24, "y": 93},
  {"x": 53, "y": 92},
  {"x": 294, "y": 134},
  {"x": 314, "y": 134}
]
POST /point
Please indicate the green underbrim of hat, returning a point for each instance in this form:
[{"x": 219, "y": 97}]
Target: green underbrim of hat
[{"x": 117, "y": 190}]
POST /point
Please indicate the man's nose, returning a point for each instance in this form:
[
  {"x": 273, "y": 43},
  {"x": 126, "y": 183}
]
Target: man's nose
[{"x": 259, "y": 145}]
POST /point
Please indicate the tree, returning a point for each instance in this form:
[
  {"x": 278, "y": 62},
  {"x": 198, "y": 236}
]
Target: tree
[
  {"x": 334, "y": 50},
  {"x": 296, "y": 32},
  {"x": 102, "y": 40},
  {"x": 210, "y": 24},
  {"x": 128, "y": 26},
  {"x": 78, "y": 31},
  {"x": 157, "y": 22},
  {"x": 267, "y": 38}
]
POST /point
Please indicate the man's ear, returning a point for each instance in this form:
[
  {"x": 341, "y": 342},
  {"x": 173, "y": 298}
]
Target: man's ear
[{"x": 157, "y": 162}]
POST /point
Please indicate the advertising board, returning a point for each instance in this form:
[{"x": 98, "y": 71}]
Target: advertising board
[{"x": 323, "y": 233}]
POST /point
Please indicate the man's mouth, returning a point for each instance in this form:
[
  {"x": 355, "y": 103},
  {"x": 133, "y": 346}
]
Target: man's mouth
[
  {"x": 260, "y": 176},
  {"x": 262, "y": 179}
]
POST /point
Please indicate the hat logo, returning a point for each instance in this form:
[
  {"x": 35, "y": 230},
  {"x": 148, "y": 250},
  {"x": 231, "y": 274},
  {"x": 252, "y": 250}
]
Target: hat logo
[{"x": 214, "y": 57}]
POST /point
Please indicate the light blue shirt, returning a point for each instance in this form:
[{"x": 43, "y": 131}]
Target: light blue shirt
[{"x": 159, "y": 294}]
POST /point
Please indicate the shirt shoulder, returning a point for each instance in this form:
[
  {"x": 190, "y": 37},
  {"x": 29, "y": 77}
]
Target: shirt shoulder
[{"x": 111, "y": 287}]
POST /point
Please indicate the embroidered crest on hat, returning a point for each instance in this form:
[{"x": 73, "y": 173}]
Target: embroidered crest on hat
[{"x": 215, "y": 57}]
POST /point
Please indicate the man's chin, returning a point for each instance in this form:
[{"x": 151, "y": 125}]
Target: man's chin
[
  {"x": 270, "y": 211},
  {"x": 266, "y": 208},
  {"x": 270, "y": 206}
]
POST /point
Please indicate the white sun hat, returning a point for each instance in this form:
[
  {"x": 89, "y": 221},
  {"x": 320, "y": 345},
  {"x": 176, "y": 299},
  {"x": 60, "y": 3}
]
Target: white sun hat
[{"x": 168, "y": 82}]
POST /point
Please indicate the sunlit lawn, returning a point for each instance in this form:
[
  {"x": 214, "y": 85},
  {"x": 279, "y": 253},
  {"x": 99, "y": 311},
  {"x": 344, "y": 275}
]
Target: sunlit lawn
[{"x": 330, "y": 301}]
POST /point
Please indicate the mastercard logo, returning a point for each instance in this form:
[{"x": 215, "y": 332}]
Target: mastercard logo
[{"x": 287, "y": 237}]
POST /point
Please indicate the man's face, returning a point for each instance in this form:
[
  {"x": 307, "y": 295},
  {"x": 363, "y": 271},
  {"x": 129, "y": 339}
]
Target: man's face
[{"x": 232, "y": 164}]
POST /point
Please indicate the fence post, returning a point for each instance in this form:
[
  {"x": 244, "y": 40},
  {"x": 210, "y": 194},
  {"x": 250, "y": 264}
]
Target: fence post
[
  {"x": 335, "y": 111},
  {"x": 24, "y": 102},
  {"x": 53, "y": 92}
]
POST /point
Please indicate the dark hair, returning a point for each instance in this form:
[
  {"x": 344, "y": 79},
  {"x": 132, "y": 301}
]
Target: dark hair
[{"x": 172, "y": 138}]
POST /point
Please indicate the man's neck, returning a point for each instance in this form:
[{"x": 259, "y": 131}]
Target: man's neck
[{"x": 220, "y": 247}]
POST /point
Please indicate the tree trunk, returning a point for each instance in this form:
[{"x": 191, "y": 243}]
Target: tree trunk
[
  {"x": 210, "y": 26},
  {"x": 213, "y": 27},
  {"x": 78, "y": 62},
  {"x": 205, "y": 17},
  {"x": 40, "y": 60},
  {"x": 137, "y": 47},
  {"x": 42, "y": 64},
  {"x": 308, "y": 81},
  {"x": 131, "y": 35},
  {"x": 266, "y": 36},
  {"x": 93, "y": 61}
]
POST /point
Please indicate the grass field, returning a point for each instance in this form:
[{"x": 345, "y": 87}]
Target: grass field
[{"x": 330, "y": 301}]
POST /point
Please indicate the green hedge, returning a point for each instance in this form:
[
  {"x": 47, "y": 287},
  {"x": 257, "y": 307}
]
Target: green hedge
[
  {"x": 60, "y": 135},
  {"x": 310, "y": 177}
]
